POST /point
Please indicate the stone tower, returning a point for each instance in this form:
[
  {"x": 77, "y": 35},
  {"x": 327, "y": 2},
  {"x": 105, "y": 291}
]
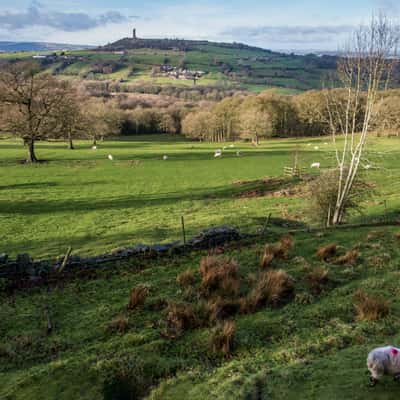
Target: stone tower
[{"x": 134, "y": 34}]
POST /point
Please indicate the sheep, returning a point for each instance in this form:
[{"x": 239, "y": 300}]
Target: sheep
[
  {"x": 110, "y": 157},
  {"x": 238, "y": 154},
  {"x": 94, "y": 147},
  {"x": 231, "y": 146},
  {"x": 383, "y": 361},
  {"x": 316, "y": 165},
  {"x": 165, "y": 158},
  {"x": 316, "y": 148},
  {"x": 218, "y": 153}
]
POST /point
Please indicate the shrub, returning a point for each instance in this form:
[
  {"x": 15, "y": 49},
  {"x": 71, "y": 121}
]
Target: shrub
[
  {"x": 369, "y": 308},
  {"x": 222, "y": 339},
  {"x": 137, "y": 297},
  {"x": 323, "y": 196},
  {"x": 186, "y": 278},
  {"x": 219, "y": 276},
  {"x": 324, "y": 253},
  {"x": 273, "y": 287},
  {"x": 350, "y": 258}
]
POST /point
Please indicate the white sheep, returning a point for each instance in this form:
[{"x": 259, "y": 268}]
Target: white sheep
[
  {"x": 238, "y": 153},
  {"x": 316, "y": 165},
  {"x": 110, "y": 157},
  {"x": 165, "y": 158},
  {"x": 316, "y": 148},
  {"x": 218, "y": 153},
  {"x": 94, "y": 147},
  {"x": 383, "y": 361},
  {"x": 231, "y": 146}
]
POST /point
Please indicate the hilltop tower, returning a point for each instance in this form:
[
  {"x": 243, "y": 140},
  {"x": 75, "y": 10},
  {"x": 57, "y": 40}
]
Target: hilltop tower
[{"x": 134, "y": 34}]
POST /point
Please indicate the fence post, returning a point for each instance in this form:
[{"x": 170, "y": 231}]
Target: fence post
[{"x": 183, "y": 230}]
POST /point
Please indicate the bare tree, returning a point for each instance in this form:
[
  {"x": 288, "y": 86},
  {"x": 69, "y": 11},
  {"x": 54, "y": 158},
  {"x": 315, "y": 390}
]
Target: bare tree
[
  {"x": 364, "y": 72},
  {"x": 30, "y": 102}
]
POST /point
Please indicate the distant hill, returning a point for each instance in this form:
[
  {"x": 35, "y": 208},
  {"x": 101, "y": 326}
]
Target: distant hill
[{"x": 39, "y": 46}]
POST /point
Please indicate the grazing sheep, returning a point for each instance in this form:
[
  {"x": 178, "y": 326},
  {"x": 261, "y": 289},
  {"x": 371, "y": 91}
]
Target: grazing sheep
[
  {"x": 316, "y": 148},
  {"x": 316, "y": 165},
  {"x": 110, "y": 157},
  {"x": 94, "y": 147},
  {"x": 218, "y": 153},
  {"x": 367, "y": 166},
  {"x": 238, "y": 153},
  {"x": 231, "y": 146},
  {"x": 383, "y": 361},
  {"x": 165, "y": 158}
]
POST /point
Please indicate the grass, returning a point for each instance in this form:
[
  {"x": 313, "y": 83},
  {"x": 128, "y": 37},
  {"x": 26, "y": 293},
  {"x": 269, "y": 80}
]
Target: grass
[
  {"x": 79, "y": 198},
  {"x": 314, "y": 349}
]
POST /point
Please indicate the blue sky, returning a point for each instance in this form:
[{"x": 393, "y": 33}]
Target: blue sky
[{"x": 275, "y": 24}]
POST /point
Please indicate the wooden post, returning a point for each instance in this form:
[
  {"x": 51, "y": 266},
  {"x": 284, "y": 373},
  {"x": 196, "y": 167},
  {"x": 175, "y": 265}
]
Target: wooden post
[
  {"x": 183, "y": 230},
  {"x": 66, "y": 258}
]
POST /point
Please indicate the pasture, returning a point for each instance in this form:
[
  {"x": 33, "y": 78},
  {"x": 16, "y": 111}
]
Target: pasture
[{"x": 80, "y": 198}]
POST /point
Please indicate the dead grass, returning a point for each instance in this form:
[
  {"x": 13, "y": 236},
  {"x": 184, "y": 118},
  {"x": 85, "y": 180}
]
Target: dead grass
[
  {"x": 278, "y": 250},
  {"x": 317, "y": 279},
  {"x": 350, "y": 258},
  {"x": 272, "y": 288},
  {"x": 138, "y": 297},
  {"x": 186, "y": 279},
  {"x": 369, "y": 307},
  {"x": 222, "y": 309},
  {"x": 222, "y": 339},
  {"x": 119, "y": 324},
  {"x": 327, "y": 252},
  {"x": 179, "y": 318},
  {"x": 397, "y": 235},
  {"x": 219, "y": 276}
]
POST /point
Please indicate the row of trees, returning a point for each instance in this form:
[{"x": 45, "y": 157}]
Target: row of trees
[{"x": 273, "y": 115}]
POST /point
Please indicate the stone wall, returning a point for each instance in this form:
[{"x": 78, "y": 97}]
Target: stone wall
[{"x": 25, "y": 267}]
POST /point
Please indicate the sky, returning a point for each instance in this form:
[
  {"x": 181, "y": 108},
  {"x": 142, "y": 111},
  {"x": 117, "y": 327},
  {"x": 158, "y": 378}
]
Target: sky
[{"x": 271, "y": 24}]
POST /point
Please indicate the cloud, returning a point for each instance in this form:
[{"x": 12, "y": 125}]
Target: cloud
[
  {"x": 290, "y": 34},
  {"x": 37, "y": 15}
]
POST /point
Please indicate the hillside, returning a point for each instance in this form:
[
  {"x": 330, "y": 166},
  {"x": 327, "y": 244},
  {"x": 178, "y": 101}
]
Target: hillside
[
  {"x": 310, "y": 346},
  {"x": 182, "y": 62}
]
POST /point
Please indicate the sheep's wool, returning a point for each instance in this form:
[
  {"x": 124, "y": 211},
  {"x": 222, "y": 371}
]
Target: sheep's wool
[{"x": 384, "y": 361}]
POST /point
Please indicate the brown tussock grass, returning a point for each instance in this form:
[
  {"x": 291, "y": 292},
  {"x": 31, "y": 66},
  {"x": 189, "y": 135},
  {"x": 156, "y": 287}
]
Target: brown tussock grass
[
  {"x": 219, "y": 275},
  {"x": 119, "y": 324},
  {"x": 327, "y": 252},
  {"x": 350, "y": 258},
  {"x": 179, "y": 318},
  {"x": 222, "y": 339},
  {"x": 369, "y": 307},
  {"x": 278, "y": 250},
  {"x": 222, "y": 309},
  {"x": 273, "y": 287},
  {"x": 186, "y": 278},
  {"x": 317, "y": 279},
  {"x": 137, "y": 297},
  {"x": 397, "y": 235}
]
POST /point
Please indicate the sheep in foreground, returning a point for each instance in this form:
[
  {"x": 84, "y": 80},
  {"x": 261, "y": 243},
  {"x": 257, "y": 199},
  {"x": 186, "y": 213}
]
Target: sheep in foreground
[{"x": 383, "y": 361}]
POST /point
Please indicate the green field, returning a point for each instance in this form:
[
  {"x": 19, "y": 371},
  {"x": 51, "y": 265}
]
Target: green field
[
  {"x": 312, "y": 348},
  {"x": 79, "y": 198}
]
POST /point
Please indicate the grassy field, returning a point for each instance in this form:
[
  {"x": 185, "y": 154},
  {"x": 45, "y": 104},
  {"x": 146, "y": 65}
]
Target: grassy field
[
  {"x": 79, "y": 198},
  {"x": 310, "y": 348}
]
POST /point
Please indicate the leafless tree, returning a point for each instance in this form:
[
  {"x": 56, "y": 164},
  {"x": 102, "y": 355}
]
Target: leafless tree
[
  {"x": 31, "y": 102},
  {"x": 364, "y": 71}
]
